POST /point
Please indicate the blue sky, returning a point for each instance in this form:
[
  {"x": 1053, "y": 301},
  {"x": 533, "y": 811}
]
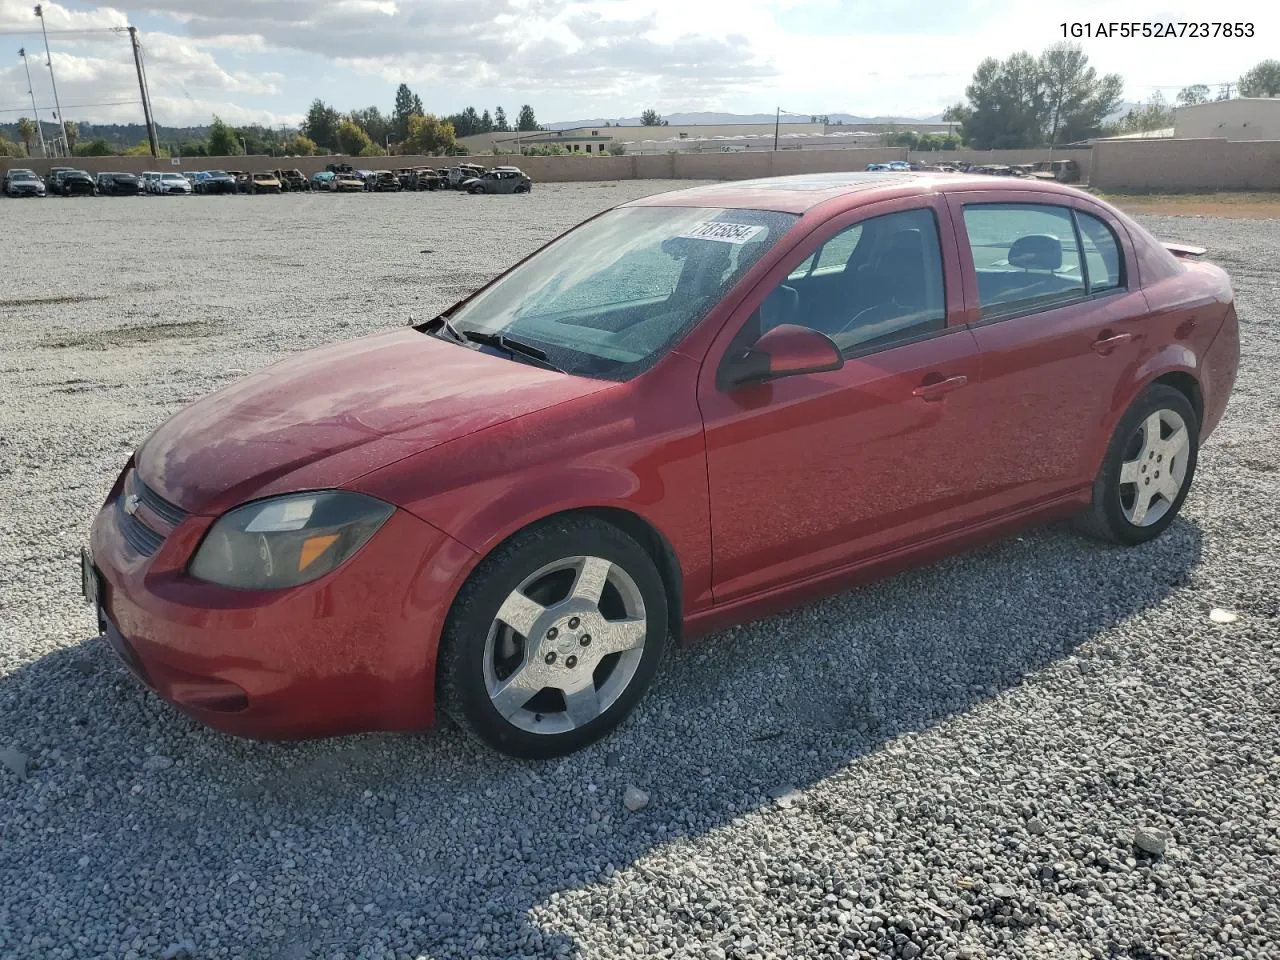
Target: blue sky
[{"x": 265, "y": 60}]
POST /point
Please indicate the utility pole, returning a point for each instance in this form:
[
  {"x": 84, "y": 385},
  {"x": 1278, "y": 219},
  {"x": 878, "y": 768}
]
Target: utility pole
[
  {"x": 35, "y": 113},
  {"x": 776, "y": 121},
  {"x": 62, "y": 121},
  {"x": 142, "y": 89}
]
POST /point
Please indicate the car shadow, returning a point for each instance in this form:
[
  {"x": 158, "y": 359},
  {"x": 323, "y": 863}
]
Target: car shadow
[{"x": 408, "y": 843}]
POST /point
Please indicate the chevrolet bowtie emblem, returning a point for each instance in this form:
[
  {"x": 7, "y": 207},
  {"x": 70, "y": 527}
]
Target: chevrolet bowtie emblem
[{"x": 131, "y": 504}]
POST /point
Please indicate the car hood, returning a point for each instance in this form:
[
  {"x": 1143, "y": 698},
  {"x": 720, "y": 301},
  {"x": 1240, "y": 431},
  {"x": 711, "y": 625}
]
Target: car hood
[{"x": 328, "y": 416}]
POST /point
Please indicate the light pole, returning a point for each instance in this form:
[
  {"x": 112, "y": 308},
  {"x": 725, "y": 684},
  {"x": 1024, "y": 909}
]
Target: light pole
[
  {"x": 62, "y": 121},
  {"x": 776, "y": 120},
  {"x": 243, "y": 146},
  {"x": 44, "y": 150}
]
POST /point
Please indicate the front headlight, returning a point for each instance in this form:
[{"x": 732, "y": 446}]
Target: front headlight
[{"x": 287, "y": 541}]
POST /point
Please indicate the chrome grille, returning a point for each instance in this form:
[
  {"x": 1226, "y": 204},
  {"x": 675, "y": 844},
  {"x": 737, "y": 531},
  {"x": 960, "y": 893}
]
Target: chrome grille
[{"x": 142, "y": 537}]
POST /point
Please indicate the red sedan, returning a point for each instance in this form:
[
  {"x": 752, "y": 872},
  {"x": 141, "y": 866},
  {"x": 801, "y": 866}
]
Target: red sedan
[{"x": 692, "y": 410}]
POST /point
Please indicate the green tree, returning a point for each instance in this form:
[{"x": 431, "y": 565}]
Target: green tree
[
  {"x": 500, "y": 120},
  {"x": 406, "y": 102},
  {"x": 94, "y": 148},
  {"x": 10, "y": 149},
  {"x": 298, "y": 146},
  {"x": 616, "y": 149},
  {"x": 526, "y": 121},
  {"x": 1077, "y": 100},
  {"x": 194, "y": 148},
  {"x": 372, "y": 122},
  {"x": 27, "y": 131},
  {"x": 429, "y": 135},
  {"x": 321, "y": 124},
  {"x": 1155, "y": 114},
  {"x": 1190, "y": 96},
  {"x": 466, "y": 123},
  {"x": 72, "y": 131},
  {"x": 1263, "y": 80},
  {"x": 650, "y": 118},
  {"x": 1025, "y": 101},
  {"x": 222, "y": 139},
  {"x": 352, "y": 140},
  {"x": 486, "y": 123}
]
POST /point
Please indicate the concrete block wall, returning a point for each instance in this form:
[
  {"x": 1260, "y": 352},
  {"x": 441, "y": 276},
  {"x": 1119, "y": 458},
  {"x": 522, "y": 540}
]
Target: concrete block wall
[{"x": 1186, "y": 164}]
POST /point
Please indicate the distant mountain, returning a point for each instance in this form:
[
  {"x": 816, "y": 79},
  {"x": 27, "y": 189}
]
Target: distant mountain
[{"x": 709, "y": 119}]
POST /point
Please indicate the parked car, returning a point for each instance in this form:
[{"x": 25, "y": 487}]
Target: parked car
[
  {"x": 430, "y": 179},
  {"x": 506, "y": 510},
  {"x": 149, "y": 180},
  {"x": 1063, "y": 171},
  {"x": 265, "y": 183},
  {"x": 55, "y": 174},
  {"x": 172, "y": 184},
  {"x": 323, "y": 180},
  {"x": 74, "y": 183},
  {"x": 347, "y": 183},
  {"x": 339, "y": 168},
  {"x": 408, "y": 177},
  {"x": 499, "y": 180},
  {"x": 20, "y": 182},
  {"x": 899, "y": 165},
  {"x": 878, "y": 168},
  {"x": 119, "y": 185},
  {"x": 383, "y": 181},
  {"x": 210, "y": 182},
  {"x": 243, "y": 179},
  {"x": 292, "y": 181}
]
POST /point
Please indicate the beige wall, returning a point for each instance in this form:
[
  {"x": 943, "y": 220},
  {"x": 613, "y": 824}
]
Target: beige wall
[
  {"x": 1186, "y": 165},
  {"x": 1082, "y": 157},
  {"x": 1251, "y": 118}
]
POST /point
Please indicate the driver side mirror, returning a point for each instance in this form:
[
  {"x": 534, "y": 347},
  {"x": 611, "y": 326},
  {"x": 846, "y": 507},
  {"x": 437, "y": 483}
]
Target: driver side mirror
[{"x": 784, "y": 351}]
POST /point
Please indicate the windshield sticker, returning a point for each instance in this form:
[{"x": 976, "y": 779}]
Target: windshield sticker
[{"x": 724, "y": 232}]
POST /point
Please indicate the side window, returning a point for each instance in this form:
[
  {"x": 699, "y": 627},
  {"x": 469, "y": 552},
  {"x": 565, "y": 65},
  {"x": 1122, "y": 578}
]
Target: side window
[
  {"x": 1025, "y": 255},
  {"x": 875, "y": 284},
  {"x": 1102, "y": 258}
]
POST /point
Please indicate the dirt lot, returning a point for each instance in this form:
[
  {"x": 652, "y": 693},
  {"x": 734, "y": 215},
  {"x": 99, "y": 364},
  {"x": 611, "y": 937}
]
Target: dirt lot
[
  {"x": 1233, "y": 205},
  {"x": 952, "y": 763}
]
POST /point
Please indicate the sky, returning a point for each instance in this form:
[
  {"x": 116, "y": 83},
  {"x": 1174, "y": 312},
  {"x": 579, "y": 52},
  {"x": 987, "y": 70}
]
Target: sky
[{"x": 264, "y": 61}]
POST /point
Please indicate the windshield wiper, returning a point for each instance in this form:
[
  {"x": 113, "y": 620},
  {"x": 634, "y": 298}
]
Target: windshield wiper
[
  {"x": 443, "y": 322},
  {"x": 513, "y": 347}
]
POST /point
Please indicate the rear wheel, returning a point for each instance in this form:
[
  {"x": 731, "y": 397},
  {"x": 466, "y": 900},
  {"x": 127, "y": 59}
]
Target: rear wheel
[
  {"x": 554, "y": 639},
  {"x": 1147, "y": 471}
]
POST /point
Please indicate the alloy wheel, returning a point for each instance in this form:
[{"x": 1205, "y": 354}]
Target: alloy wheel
[
  {"x": 1154, "y": 468},
  {"x": 565, "y": 645}
]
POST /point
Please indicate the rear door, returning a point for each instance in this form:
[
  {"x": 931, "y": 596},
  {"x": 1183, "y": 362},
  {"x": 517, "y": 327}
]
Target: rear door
[{"x": 1054, "y": 303}]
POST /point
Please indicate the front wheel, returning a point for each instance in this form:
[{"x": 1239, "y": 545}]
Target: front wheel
[
  {"x": 1147, "y": 471},
  {"x": 554, "y": 639},
  {"x": 475, "y": 190}
]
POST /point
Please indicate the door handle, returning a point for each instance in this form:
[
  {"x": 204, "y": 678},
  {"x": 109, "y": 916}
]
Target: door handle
[
  {"x": 1109, "y": 341},
  {"x": 937, "y": 389}
]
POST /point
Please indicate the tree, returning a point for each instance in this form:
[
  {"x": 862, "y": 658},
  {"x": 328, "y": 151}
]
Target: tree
[
  {"x": 430, "y": 135},
  {"x": 1026, "y": 101},
  {"x": 298, "y": 146},
  {"x": 650, "y": 118},
  {"x": 194, "y": 148},
  {"x": 27, "y": 131},
  {"x": 403, "y": 110},
  {"x": 1077, "y": 100},
  {"x": 486, "y": 123},
  {"x": 222, "y": 139},
  {"x": 1155, "y": 114},
  {"x": 373, "y": 123},
  {"x": 8, "y": 148},
  {"x": 1263, "y": 80},
  {"x": 322, "y": 124},
  {"x": 500, "y": 121},
  {"x": 526, "y": 120},
  {"x": 1190, "y": 96},
  {"x": 352, "y": 140},
  {"x": 94, "y": 148},
  {"x": 616, "y": 149},
  {"x": 72, "y": 131}
]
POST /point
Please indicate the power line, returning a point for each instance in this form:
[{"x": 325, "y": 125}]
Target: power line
[{"x": 74, "y": 106}]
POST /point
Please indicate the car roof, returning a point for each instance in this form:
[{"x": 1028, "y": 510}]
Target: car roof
[{"x": 803, "y": 192}]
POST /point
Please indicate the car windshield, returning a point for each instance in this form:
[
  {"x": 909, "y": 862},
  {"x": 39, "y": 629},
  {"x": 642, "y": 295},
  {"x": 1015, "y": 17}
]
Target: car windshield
[
  {"x": 21, "y": 175},
  {"x": 171, "y": 176},
  {"x": 611, "y": 297}
]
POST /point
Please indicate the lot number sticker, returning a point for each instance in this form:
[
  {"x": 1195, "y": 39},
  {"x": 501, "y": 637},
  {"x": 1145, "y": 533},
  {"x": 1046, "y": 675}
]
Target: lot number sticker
[{"x": 724, "y": 232}]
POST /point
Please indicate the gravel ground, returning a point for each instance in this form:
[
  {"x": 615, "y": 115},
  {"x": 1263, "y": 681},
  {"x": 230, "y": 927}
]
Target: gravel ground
[{"x": 964, "y": 761}]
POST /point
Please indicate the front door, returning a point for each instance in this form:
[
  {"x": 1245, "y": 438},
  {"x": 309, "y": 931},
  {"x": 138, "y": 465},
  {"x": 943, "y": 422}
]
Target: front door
[{"x": 816, "y": 471}]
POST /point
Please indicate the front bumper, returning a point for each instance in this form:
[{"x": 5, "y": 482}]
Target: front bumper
[{"x": 353, "y": 651}]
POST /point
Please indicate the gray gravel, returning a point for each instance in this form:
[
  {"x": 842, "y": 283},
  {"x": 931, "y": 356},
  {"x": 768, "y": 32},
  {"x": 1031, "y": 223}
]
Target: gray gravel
[{"x": 970, "y": 760}]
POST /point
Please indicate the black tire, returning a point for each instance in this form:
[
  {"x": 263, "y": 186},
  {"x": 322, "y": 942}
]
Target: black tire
[
  {"x": 1105, "y": 518},
  {"x": 460, "y": 684},
  {"x": 474, "y": 191}
]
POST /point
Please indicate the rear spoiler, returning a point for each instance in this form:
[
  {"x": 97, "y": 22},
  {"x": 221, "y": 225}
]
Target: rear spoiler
[{"x": 1183, "y": 250}]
